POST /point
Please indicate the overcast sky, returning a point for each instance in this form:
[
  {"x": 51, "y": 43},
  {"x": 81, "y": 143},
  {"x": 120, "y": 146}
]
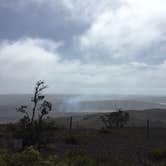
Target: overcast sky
[{"x": 83, "y": 46}]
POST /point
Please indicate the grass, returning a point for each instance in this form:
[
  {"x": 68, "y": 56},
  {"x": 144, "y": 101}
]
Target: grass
[
  {"x": 104, "y": 131},
  {"x": 127, "y": 146},
  {"x": 71, "y": 139}
]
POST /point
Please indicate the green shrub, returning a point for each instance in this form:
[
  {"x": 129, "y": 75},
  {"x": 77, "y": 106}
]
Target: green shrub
[
  {"x": 29, "y": 157},
  {"x": 32, "y": 157},
  {"x": 159, "y": 154},
  {"x": 53, "y": 160},
  {"x": 83, "y": 161},
  {"x": 2, "y": 161}
]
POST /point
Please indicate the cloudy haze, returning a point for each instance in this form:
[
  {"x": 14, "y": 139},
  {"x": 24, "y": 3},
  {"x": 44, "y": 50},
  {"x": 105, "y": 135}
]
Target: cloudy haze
[{"x": 90, "y": 46}]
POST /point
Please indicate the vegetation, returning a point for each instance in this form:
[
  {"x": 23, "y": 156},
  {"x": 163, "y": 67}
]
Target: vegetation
[
  {"x": 32, "y": 157},
  {"x": 122, "y": 146},
  {"x": 115, "y": 119},
  {"x": 70, "y": 139},
  {"x": 44, "y": 145},
  {"x": 159, "y": 153},
  {"x": 32, "y": 123}
]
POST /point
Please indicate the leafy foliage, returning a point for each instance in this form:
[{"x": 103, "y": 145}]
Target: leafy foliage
[
  {"x": 159, "y": 153},
  {"x": 2, "y": 161},
  {"x": 32, "y": 157},
  {"x": 28, "y": 157}
]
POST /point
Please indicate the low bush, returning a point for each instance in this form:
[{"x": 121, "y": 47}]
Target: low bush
[
  {"x": 2, "y": 161},
  {"x": 159, "y": 154},
  {"x": 32, "y": 157}
]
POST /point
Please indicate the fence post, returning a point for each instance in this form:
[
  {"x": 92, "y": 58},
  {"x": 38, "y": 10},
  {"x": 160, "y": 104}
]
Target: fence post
[
  {"x": 71, "y": 122},
  {"x": 147, "y": 130}
]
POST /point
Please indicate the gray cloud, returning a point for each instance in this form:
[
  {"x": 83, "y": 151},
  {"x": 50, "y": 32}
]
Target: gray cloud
[
  {"x": 132, "y": 32},
  {"x": 28, "y": 18}
]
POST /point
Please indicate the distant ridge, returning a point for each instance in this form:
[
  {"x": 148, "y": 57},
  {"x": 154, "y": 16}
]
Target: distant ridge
[{"x": 82, "y": 104}]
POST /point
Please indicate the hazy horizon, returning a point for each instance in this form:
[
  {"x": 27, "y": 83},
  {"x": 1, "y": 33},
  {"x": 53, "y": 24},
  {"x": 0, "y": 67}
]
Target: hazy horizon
[{"x": 64, "y": 104}]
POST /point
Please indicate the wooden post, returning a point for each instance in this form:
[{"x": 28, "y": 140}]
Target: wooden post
[
  {"x": 147, "y": 130},
  {"x": 71, "y": 121}
]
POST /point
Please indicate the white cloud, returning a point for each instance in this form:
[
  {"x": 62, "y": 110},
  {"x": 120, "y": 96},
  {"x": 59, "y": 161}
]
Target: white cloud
[
  {"x": 24, "y": 62},
  {"x": 88, "y": 10},
  {"x": 127, "y": 30}
]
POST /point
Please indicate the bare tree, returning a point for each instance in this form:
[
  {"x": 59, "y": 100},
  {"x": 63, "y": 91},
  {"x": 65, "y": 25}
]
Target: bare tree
[
  {"x": 32, "y": 120},
  {"x": 41, "y": 107}
]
